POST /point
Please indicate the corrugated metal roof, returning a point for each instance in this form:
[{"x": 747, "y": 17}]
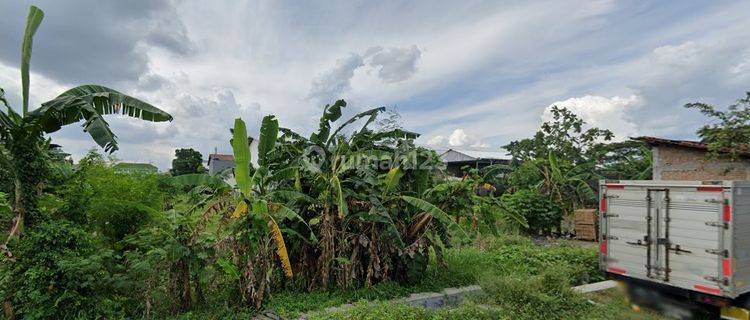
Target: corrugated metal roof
[{"x": 468, "y": 155}]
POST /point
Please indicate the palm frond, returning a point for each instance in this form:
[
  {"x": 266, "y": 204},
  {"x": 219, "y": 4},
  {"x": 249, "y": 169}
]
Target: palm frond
[
  {"x": 269, "y": 132},
  {"x": 331, "y": 113},
  {"x": 241, "y": 148},
  {"x": 286, "y": 264},
  {"x": 391, "y": 179},
  {"x": 33, "y": 20},
  {"x": 343, "y": 209},
  {"x": 371, "y": 114},
  {"x": 436, "y": 212},
  {"x": 91, "y": 103},
  {"x": 240, "y": 210}
]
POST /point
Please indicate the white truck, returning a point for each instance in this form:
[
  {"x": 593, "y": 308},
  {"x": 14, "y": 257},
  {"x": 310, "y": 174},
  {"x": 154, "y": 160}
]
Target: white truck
[{"x": 688, "y": 239}]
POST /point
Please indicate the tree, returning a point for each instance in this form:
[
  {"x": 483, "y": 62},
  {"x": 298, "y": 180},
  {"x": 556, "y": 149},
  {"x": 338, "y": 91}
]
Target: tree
[
  {"x": 368, "y": 211},
  {"x": 564, "y": 136},
  {"x": 626, "y": 160},
  {"x": 187, "y": 161},
  {"x": 731, "y": 135},
  {"x": 22, "y": 134},
  {"x": 559, "y": 161}
]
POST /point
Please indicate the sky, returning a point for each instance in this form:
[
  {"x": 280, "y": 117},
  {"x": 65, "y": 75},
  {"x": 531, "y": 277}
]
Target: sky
[{"x": 464, "y": 74}]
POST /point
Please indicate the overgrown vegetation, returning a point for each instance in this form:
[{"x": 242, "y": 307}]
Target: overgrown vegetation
[
  {"x": 544, "y": 296},
  {"x": 525, "y": 282},
  {"x": 345, "y": 214},
  {"x": 557, "y": 170},
  {"x": 463, "y": 265}
]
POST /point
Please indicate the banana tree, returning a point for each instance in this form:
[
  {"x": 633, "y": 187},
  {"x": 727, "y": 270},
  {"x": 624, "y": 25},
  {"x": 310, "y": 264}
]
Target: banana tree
[
  {"x": 367, "y": 184},
  {"x": 261, "y": 209},
  {"x": 22, "y": 134},
  {"x": 564, "y": 185}
]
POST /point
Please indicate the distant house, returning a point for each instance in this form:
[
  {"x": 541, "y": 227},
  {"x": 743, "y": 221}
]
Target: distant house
[
  {"x": 455, "y": 159},
  {"x": 219, "y": 162},
  {"x": 132, "y": 167},
  {"x": 690, "y": 160}
]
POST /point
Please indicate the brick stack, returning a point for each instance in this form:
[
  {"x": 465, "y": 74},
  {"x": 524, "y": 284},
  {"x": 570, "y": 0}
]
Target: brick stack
[{"x": 586, "y": 224}]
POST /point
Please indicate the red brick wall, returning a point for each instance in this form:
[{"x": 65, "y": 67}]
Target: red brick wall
[{"x": 676, "y": 163}]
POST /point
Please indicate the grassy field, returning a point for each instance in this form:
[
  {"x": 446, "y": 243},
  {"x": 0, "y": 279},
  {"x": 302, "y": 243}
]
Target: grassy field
[
  {"x": 493, "y": 257},
  {"x": 610, "y": 304},
  {"x": 521, "y": 280}
]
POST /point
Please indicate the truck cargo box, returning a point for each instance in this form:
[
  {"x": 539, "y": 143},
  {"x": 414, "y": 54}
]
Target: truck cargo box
[{"x": 692, "y": 235}]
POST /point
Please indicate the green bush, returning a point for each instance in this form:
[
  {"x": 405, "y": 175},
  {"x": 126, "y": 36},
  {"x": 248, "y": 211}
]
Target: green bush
[
  {"x": 542, "y": 215},
  {"x": 59, "y": 274},
  {"x": 6, "y": 214},
  {"x": 544, "y": 296},
  {"x": 117, "y": 219}
]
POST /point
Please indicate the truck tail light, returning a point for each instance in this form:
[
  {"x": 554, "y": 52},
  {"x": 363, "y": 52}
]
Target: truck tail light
[
  {"x": 603, "y": 246},
  {"x": 726, "y": 267},
  {"x": 707, "y": 289},
  {"x": 617, "y": 270},
  {"x": 727, "y": 212},
  {"x": 603, "y": 205},
  {"x": 614, "y": 186}
]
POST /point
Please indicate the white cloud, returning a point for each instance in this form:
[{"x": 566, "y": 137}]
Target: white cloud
[
  {"x": 331, "y": 84},
  {"x": 391, "y": 64},
  {"x": 601, "y": 112},
  {"x": 394, "y": 64},
  {"x": 483, "y": 75},
  {"x": 459, "y": 138},
  {"x": 437, "y": 140}
]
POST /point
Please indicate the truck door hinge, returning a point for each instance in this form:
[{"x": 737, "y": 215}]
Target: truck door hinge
[
  {"x": 714, "y": 201},
  {"x": 724, "y": 253},
  {"x": 610, "y": 215},
  {"x": 717, "y": 224},
  {"x": 608, "y": 237}
]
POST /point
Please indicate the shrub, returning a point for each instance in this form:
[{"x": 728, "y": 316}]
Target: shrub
[
  {"x": 59, "y": 274},
  {"x": 545, "y": 296},
  {"x": 6, "y": 215},
  {"x": 541, "y": 214}
]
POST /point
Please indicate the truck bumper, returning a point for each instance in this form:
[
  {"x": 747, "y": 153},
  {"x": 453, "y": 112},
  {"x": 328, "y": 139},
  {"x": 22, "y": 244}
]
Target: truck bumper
[{"x": 735, "y": 313}]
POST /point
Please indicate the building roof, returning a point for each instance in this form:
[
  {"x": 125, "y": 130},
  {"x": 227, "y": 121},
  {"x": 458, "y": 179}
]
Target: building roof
[
  {"x": 220, "y": 157},
  {"x": 698, "y": 145},
  {"x": 680, "y": 143},
  {"x": 223, "y": 157},
  {"x": 455, "y": 155}
]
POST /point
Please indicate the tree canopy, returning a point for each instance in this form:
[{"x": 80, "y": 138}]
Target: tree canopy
[
  {"x": 730, "y": 133},
  {"x": 187, "y": 161}
]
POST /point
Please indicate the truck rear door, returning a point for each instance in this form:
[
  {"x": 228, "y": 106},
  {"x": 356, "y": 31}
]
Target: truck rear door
[{"x": 670, "y": 234}]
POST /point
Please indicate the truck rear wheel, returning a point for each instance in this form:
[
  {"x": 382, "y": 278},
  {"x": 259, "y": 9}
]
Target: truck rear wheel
[{"x": 668, "y": 304}]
